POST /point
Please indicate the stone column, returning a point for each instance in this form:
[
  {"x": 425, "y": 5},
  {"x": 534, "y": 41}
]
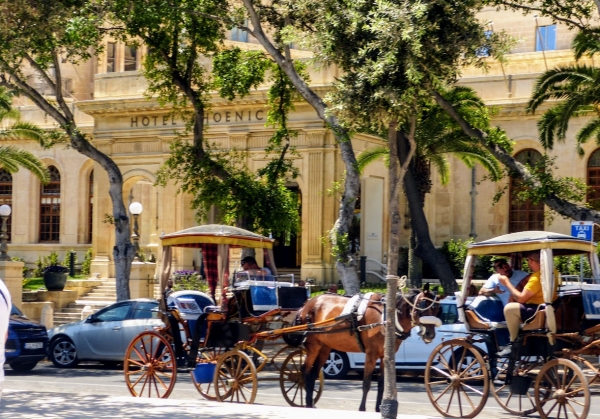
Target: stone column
[
  {"x": 313, "y": 266},
  {"x": 11, "y": 273}
]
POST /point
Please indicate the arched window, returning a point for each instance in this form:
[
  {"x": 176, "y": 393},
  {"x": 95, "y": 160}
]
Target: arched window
[
  {"x": 6, "y": 186},
  {"x": 524, "y": 215},
  {"x": 90, "y": 205},
  {"x": 50, "y": 208}
]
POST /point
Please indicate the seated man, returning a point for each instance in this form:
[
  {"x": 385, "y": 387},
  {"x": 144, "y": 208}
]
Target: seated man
[
  {"x": 494, "y": 287},
  {"x": 527, "y": 301},
  {"x": 249, "y": 264}
]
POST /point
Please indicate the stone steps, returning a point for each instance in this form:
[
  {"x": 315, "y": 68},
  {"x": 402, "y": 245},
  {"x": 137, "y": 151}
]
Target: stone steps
[{"x": 97, "y": 298}]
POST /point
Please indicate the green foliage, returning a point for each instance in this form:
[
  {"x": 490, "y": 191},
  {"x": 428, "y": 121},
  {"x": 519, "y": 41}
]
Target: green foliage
[
  {"x": 67, "y": 259},
  {"x": 45, "y": 261},
  {"x": 188, "y": 280},
  {"x": 236, "y": 71},
  {"x": 25, "y": 268},
  {"x": 87, "y": 262},
  {"x": 455, "y": 252}
]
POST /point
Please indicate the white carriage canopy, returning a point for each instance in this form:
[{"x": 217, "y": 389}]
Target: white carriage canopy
[
  {"x": 549, "y": 244},
  {"x": 214, "y": 240}
]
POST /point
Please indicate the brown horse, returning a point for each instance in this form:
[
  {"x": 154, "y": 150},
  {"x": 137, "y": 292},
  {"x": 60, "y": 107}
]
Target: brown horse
[{"x": 357, "y": 336}]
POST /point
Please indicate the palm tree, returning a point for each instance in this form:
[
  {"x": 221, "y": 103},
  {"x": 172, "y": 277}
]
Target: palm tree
[
  {"x": 577, "y": 87},
  {"x": 11, "y": 157},
  {"x": 437, "y": 137}
]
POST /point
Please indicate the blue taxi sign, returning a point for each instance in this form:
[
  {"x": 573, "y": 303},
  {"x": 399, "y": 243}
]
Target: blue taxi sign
[{"x": 582, "y": 229}]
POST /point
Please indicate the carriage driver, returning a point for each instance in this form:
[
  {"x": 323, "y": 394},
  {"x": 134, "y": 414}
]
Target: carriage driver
[{"x": 527, "y": 301}]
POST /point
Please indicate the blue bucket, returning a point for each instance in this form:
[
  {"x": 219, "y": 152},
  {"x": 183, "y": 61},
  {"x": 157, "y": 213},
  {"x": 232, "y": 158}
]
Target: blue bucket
[{"x": 204, "y": 373}]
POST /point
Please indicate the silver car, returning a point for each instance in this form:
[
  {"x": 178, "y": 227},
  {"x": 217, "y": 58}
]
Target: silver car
[{"x": 105, "y": 335}]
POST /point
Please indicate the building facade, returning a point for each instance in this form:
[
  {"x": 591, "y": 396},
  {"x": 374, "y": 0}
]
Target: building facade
[{"x": 107, "y": 94}]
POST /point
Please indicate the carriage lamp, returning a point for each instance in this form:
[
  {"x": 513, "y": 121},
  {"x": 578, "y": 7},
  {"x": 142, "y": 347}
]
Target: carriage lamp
[
  {"x": 135, "y": 209},
  {"x": 4, "y": 214}
]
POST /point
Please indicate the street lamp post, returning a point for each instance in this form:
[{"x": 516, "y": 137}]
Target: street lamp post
[
  {"x": 136, "y": 209},
  {"x": 4, "y": 214}
]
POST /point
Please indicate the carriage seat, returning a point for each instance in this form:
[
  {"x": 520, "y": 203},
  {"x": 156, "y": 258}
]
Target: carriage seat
[
  {"x": 485, "y": 313},
  {"x": 537, "y": 321}
]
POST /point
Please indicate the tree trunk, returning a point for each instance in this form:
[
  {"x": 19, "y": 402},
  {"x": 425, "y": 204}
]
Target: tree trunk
[
  {"x": 60, "y": 111},
  {"x": 424, "y": 247},
  {"x": 415, "y": 264},
  {"x": 397, "y": 170},
  {"x": 389, "y": 404}
]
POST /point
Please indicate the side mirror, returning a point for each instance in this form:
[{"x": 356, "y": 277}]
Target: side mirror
[{"x": 91, "y": 319}]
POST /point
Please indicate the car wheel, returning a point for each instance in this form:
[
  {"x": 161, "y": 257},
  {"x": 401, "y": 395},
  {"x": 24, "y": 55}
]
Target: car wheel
[
  {"x": 63, "y": 353},
  {"x": 23, "y": 367},
  {"x": 337, "y": 366}
]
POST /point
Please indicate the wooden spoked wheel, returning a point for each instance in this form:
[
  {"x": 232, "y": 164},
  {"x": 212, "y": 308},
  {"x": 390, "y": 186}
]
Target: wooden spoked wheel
[
  {"x": 149, "y": 366},
  {"x": 235, "y": 379},
  {"x": 291, "y": 380},
  {"x": 517, "y": 398},
  {"x": 457, "y": 379},
  {"x": 207, "y": 390},
  {"x": 561, "y": 391}
]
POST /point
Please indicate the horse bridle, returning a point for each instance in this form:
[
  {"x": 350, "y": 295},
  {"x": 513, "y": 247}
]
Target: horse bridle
[{"x": 415, "y": 319}]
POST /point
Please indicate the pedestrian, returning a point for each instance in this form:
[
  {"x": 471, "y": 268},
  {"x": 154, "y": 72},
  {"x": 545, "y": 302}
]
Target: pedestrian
[{"x": 5, "y": 306}]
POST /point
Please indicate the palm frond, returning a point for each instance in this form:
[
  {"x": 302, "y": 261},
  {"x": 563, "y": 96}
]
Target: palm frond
[
  {"x": 371, "y": 154},
  {"x": 586, "y": 43},
  {"x": 23, "y": 131},
  {"x": 562, "y": 83},
  {"x": 12, "y": 158},
  {"x": 589, "y": 130}
]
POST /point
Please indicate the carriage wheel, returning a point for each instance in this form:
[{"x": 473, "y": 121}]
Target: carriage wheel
[
  {"x": 235, "y": 380},
  {"x": 561, "y": 390},
  {"x": 457, "y": 379},
  {"x": 517, "y": 398},
  {"x": 149, "y": 366},
  {"x": 291, "y": 380},
  {"x": 207, "y": 390}
]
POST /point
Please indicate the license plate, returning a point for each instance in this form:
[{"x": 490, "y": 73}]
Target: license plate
[{"x": 34, "y": 345}]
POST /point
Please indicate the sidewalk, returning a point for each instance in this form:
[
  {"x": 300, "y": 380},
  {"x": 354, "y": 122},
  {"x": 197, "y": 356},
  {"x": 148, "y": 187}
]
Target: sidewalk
[{"x": 34, "y": 405}]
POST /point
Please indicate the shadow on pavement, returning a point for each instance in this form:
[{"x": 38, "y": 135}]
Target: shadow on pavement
[{"x": 35, "y": 405}]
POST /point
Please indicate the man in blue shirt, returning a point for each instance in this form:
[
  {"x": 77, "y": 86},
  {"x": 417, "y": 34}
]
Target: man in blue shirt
[{"x": 494, "y": 287}]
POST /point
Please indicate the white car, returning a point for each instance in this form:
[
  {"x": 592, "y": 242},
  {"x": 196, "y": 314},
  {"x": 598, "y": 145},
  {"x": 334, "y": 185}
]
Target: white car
[{"x": 413, "y": 352}]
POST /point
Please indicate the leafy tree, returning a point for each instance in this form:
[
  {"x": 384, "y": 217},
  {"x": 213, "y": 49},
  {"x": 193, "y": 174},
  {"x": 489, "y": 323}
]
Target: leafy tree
[
  {"x": 438, "y": 136},
  {"x": 40, "y": 38},
  {"x": 187, "y": 60}
]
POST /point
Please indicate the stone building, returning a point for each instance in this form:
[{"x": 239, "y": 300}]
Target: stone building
[{"x": 107, "y": 96}]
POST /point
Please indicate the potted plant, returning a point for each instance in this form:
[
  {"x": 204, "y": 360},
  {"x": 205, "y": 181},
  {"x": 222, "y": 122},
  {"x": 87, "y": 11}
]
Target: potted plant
[{"x": 55, "y": 277}]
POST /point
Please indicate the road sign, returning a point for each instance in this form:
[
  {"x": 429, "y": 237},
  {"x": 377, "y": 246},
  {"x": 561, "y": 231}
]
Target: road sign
[{"x": 582, "y": 229}]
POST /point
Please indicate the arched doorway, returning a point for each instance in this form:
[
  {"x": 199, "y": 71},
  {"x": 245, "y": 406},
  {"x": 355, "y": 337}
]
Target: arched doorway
[
  {"x": 288, "y": 250},
  {"x": 524, "y": 215}
]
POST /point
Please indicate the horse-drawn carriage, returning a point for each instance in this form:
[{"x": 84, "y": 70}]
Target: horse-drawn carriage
[
  {"x": 555, "y": 357},
  {"x": 223, "y": 346}
]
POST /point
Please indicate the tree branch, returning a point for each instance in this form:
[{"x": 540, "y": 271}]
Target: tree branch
[{"x": 561, "y": 206}]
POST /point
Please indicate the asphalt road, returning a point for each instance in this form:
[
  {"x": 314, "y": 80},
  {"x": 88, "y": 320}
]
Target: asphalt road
[{"x": 95, "y": 379}]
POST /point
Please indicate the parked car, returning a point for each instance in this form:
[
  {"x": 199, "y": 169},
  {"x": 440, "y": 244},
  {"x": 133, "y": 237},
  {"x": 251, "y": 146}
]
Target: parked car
[
  {"x": 27, "y": 342},
  {"x": 105, "y": 335},
  {"x": 413, "y": 352}
]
